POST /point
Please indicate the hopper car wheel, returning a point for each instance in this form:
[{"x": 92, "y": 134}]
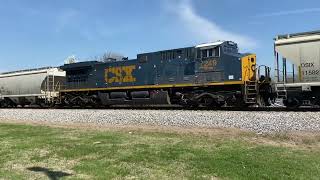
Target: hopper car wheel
[
  {"x": 42, "y": 105},
  {"x": 12, "y": 106},
  {"x": 292, "y": 102},
  {"x": 260, "y": 101},
  {"x": 3, "y": 105},
  {"x": 52, "y": 105}
]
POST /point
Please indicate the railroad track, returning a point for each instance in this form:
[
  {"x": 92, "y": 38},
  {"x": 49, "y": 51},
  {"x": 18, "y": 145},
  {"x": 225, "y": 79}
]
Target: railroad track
[{"x": 276, "y": 109}]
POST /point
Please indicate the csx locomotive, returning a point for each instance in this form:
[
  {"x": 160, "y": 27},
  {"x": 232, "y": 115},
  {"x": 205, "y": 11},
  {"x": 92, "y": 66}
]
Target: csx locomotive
[{"x": 210, "y": 75}]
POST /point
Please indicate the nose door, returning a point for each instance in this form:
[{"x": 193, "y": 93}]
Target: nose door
[{"x": 249, "y": 67}]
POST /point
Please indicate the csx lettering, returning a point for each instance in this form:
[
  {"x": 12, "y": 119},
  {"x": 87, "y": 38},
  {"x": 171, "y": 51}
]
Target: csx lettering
[
  {"x": 307, "y": 65},
  {"x": 120, "y": 74}
]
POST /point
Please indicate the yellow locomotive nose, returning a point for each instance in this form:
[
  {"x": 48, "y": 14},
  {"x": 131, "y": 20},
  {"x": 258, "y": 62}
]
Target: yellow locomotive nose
[{"x": 248, "y": 64}]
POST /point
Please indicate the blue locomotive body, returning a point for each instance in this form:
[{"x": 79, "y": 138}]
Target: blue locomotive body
[{"x": 219, "y": 62}]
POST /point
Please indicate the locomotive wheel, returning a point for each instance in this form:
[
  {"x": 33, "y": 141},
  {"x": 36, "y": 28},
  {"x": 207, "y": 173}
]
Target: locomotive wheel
[
  {"x": 190, "y": 104},
  {"x": 207, "y": 101}
]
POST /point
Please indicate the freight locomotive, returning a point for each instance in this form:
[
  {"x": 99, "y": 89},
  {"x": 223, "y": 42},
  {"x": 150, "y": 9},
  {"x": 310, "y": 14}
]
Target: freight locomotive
[{"x": 210, "y": 75}]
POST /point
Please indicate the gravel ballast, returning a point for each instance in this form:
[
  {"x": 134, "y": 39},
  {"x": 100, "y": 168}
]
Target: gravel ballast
[{"x": 260, "y": 122}]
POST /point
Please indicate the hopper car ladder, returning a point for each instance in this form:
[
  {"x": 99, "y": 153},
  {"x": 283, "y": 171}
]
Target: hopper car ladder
[
  {"x": 49, "y": 86},
  {"x": 281, "y": 91}
]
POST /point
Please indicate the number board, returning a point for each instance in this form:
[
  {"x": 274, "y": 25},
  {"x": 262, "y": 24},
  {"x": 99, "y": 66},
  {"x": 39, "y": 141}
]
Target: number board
[{"x": 208, "y": 65}]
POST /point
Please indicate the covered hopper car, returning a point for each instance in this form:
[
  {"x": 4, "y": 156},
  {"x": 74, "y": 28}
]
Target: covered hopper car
[
  {"x": 211, "y": 75},
  {"x": 298, "y": 83},
  {"x": 33, "y": 86}
]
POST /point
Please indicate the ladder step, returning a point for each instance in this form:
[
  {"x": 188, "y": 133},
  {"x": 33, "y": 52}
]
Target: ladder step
[
  {"x": 252, "y": 99},
  {"x": 251, "y": 94}
]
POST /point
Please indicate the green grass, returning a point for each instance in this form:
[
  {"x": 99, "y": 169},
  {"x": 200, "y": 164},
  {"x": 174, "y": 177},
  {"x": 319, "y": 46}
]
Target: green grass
[{"x": 42, "y": 152}]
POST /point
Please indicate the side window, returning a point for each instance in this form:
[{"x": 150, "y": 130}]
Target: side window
[
  {"x": 189, "y": 69},
  {"x": 216, "y": 52},
  {"x": 225, "y": 49},
  {"x": 170, "y": 55},
  {"x": 204, "y": 53},
  {"x": 192, "y": 53},
  {"x": 143, "y": 58},
  {"x": 210, "y": 52},
  {"x": 179, "y": 53},
  {"x": 198, "y": 53},
  {"x": 163, "y": 56}
]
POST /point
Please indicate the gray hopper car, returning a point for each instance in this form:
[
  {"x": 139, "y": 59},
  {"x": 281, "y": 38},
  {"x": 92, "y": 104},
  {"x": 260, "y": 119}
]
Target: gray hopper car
[
  {"x": 34, "y": 86},
  {"x": 298, "y": 85}
]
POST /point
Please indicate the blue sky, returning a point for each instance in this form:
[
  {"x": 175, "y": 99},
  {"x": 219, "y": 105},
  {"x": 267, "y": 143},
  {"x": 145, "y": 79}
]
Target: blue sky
[{"x": 38, "y": 33}]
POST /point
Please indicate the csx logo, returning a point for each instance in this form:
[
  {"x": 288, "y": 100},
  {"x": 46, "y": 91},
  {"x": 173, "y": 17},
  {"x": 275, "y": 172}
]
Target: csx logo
[{"x": 120, "y": 74}]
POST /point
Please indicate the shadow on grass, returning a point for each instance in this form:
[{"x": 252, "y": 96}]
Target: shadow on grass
[{"x": 52, "y": 175}]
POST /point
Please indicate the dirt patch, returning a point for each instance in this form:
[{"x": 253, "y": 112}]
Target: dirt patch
[
  {"x": 305, "y": 140},
  {"x": 226, "y": 132},
  {"x": 52, "y": 166}
]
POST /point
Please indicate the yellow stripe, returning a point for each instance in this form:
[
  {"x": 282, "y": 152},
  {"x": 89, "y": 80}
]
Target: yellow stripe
[{"x": 158, "y": 86}]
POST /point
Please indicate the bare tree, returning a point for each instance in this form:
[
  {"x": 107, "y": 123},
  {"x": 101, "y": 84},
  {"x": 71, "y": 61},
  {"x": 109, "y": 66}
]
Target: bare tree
[
  {"x": 112, "y": 57},
  {"x": 70, "y": 59}
]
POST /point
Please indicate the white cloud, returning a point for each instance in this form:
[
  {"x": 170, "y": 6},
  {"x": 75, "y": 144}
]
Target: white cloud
[
  {"x": 203, "y": 29},
  {"x": 289, "y": 12}
]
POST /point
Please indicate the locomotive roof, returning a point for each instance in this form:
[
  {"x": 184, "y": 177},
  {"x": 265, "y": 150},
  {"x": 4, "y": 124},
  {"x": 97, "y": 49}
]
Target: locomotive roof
[
  {"x": 204, "y": 45},
  {"x": 88, "y": 64},
  {"x": 218, "y": 43}
]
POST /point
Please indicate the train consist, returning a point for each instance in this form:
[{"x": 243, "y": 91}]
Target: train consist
[{"x": 209, "y": 75}]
